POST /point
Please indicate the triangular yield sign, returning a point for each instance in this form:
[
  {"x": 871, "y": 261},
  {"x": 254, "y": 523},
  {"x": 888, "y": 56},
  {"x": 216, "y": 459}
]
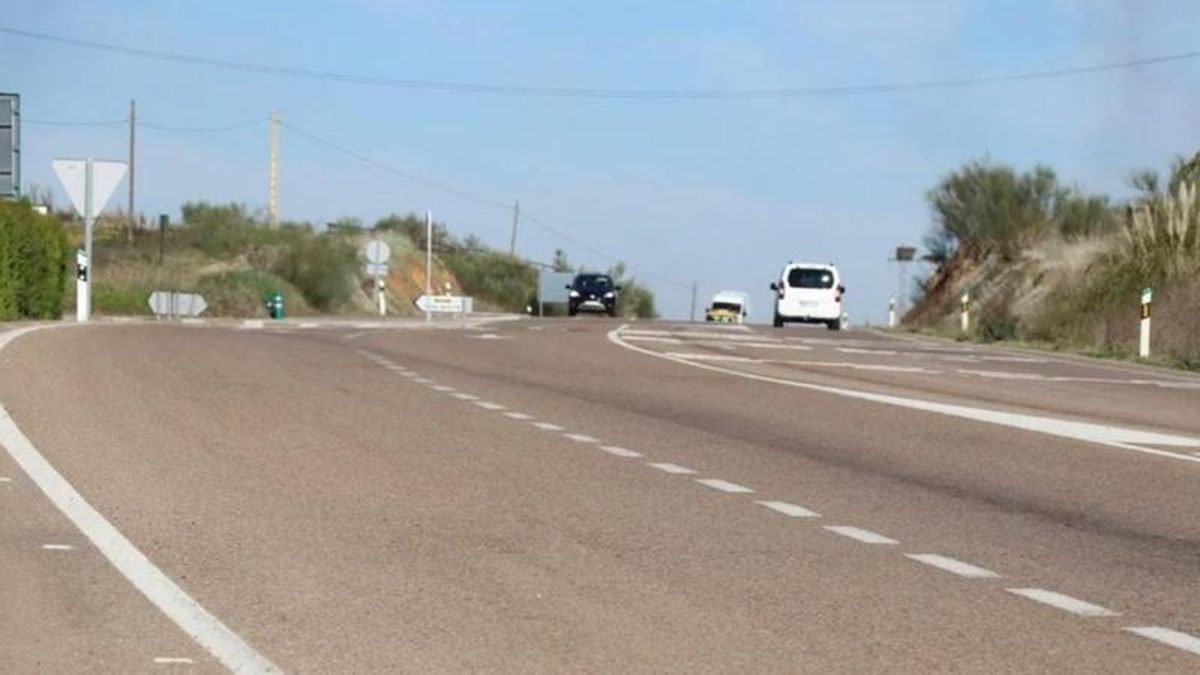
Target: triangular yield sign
[
  {"x": 106, "y": 174},
  {"x": 71, "y": 173},
  {"x": 105, "y": 177}
]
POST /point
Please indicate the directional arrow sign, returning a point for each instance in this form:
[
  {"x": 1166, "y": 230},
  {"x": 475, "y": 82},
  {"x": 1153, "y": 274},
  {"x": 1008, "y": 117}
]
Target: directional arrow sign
[
  {"x": 454, "y": 304},
  {"x": 106, "y": 175}
]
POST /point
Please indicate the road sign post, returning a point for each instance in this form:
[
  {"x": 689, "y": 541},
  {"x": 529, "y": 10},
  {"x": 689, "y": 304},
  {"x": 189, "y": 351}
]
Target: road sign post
[
  {"x": 965, "y": 310},
  {"x": 892, "y": 313},
  {"x": 1144, "y": 333},
  {"x": 378, "y": 254},
  {"x": 89, "y": 183}
]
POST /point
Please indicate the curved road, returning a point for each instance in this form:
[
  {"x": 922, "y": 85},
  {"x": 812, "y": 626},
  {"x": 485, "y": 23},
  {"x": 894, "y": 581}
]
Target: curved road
[{"x": 586, "y": 496}]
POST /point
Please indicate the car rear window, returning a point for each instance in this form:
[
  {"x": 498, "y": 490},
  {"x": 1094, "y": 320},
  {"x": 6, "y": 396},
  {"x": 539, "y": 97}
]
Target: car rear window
[
  {"x": 810, "y": 277},
  {"x": 731, "y": 306}
]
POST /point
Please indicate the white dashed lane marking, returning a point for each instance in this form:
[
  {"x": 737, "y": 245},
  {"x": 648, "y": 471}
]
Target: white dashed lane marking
[
  {"x": 859, "y": 534},
  {"x": 619, "y": 451},
  {"x": 724, "y": 485},
  {"x": 546, "y": 426},
  {"x": 518, "y": 415},
  {"x": 1172, "y": 638},
  {"x": 5, "y": 479},
  {"x": 582, "y": 438},
  {"x": 466, "y": 397},
  {"x": 1061, "y": 601},
  {"x": 442, "y": 388},
  {"x": 173, "y": 660},
  {"x": 792, "y": 510},
  {"x": 671, "y": 468},
  {"x": 58, "y": 547},
  {"x": 488, "y": 405},
  {"x": 953, "y": 566}
]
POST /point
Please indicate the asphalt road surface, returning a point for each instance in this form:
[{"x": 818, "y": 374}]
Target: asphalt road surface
[{"x": 589, "y": 496}]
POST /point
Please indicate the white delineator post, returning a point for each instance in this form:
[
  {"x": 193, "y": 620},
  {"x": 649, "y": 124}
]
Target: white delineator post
[
  {"x": 965, "y": 311},
  {"x": 428, "y": 259},
  {"x": 892, "y": 313},
  {"x": 1144, "y": 333}
]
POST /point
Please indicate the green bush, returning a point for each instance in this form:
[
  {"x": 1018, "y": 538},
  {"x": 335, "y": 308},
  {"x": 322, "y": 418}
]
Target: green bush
[
  {"x": 219, "y": 230},
  {"x": 322, "y": 267},
  {"x": 33, "y": 261},
  {"x": 493, "y": 277},
  {"x": 240, "y": 293}
]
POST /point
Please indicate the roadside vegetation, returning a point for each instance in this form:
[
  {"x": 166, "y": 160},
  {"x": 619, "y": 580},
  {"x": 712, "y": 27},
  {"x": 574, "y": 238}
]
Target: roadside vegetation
[
  {"x": 1047, "y": 263},
  {"x": 33, "y": 263},
  {"x": 228, "y": 253}
]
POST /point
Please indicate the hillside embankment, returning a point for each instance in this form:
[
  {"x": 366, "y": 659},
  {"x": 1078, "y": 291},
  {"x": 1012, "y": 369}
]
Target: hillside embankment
[{"x": 1050, "y": 266}]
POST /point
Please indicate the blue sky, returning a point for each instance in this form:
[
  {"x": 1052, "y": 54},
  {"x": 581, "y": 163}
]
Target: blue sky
[{"x": 720, "y": 192}]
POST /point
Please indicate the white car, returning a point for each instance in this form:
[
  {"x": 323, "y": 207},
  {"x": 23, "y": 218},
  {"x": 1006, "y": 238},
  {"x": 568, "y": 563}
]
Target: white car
[
  {"x": 729, "y": 307},
  {"x": 809, "y": 293}
]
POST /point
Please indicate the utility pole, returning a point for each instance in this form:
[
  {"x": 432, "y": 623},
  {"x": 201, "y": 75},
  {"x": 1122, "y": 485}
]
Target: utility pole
[
  {"x": 273, "y": 173},
  {"x": 512, "y": 243},
  {"x": 132, "y": 175},
  {"x": 693, "y": 313},
  {"x": 428, "y": 261}
]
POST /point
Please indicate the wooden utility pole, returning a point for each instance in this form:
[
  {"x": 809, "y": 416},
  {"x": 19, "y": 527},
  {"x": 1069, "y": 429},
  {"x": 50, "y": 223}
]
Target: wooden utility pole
[
  {"x": 132, "y": 164},
  {"x": 273, "y": 174},
  {"x": 512, "y": 243}
]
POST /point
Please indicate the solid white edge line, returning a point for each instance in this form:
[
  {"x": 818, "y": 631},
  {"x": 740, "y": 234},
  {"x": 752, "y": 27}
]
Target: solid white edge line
[
  {"x": 789, "y": 509},
  {"x": 953, "y": 566},
  {"x": 724, "y": 485},
  {"x": 1063, "y": 602},
  {"x": 205, "y": 628},
  {"x": 1111, "y": 436},
  {"x": 860, "y": 535},
  {"x": 1166, "y": 636}
]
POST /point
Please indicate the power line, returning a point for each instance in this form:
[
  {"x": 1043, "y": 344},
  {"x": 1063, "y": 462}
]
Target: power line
[
  {"x": 394, "y": 170},
  {"x": 201, "y": 130},
  {"x": 141, "y": 125},
  {"x": 468, "y": 195},
  {"x": 73, "y": 123},
  {"x": 602, "y": 93}
]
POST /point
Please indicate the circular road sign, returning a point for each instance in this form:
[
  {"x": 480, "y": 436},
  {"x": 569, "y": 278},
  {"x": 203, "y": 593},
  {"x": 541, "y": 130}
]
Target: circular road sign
[{"x": 378, "y": 252}]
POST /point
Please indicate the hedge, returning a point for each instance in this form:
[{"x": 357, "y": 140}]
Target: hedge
[{"x": 33, "y": 262}]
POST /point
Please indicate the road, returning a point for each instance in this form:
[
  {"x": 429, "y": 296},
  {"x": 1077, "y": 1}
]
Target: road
[{"x": 588, "y": 495}]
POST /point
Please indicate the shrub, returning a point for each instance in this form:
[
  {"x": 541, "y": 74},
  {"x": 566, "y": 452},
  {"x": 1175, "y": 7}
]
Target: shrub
[
  {"x": 495, "y": 278},
  {"x": 240, "y": 293},
  {"x": 219, "y": 230},
  {"x": 33, "y": 261},
  {"x": 321, "y": 267}
]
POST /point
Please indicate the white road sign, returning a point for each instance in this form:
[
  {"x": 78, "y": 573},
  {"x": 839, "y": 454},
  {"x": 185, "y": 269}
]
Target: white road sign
[
  {"x": 378, "y": 252},
  {"x": 452, "y": 304},
  {"x": 169, "y": 303},
  {"x": 376, "y": 269},
  {"x": 106, "y": 175}
]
